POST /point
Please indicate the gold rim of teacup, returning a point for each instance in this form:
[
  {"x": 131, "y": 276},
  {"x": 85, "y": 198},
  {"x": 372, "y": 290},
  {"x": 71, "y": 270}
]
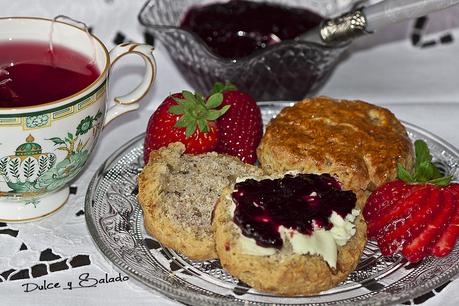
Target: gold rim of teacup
[{"x": 100, "y": 77}]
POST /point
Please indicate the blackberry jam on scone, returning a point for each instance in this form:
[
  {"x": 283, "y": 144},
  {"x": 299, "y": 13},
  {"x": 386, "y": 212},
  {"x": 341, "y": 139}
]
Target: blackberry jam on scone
[{"x": 296, "y": 234}]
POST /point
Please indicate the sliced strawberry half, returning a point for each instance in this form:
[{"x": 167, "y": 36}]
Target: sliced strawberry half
[
  {"x": 421, "y": 245},
  {"x": 403, "y": 207},
  {"x": 385, "y": 197},
  {"x": 419, "y": 216},
  {"x": 393, "y": 237},
  {"x": 449, "y": 236}
]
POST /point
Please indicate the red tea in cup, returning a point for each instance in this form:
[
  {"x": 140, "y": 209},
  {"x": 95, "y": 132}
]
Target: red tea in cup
[
  {"x": 45, "y": 142},
  {"x": 32, "y": 74}
]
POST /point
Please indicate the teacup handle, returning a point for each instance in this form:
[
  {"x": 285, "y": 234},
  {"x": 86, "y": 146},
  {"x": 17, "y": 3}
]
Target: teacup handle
[{"x": 129, "y": 102}]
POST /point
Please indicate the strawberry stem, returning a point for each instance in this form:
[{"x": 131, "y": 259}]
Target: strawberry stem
[
  {"x": 195, "y": 113},
  {"x": 220, "y": 87}
]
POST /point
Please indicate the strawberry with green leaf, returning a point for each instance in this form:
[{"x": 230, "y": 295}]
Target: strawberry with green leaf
[
  {"x": 418, "y": 214},
  {"x": 188, "y": 118}
]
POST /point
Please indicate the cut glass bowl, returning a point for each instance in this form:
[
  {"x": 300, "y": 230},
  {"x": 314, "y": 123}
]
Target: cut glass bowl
[{"x": 289, "y": 70}]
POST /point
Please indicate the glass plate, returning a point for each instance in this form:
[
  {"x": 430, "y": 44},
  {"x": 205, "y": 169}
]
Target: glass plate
[{"x": 115, "y": 222}]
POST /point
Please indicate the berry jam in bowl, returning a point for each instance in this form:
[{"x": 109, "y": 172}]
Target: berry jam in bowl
[{"x": 255, "y": 45}]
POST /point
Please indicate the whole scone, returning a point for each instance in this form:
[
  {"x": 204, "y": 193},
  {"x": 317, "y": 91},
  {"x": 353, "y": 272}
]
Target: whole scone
[
  {"x": 178, "y": 192},
  {"x": 284, "y": 272},
  {"x": 358, "y": 142}
]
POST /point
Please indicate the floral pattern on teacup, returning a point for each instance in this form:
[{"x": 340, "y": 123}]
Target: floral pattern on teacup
[{"x": 32, "y": 171}]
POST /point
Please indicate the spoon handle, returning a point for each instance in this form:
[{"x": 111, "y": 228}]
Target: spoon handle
[
  {"x": 368, "y": 19},
  {"x": 392, "y": 11}
]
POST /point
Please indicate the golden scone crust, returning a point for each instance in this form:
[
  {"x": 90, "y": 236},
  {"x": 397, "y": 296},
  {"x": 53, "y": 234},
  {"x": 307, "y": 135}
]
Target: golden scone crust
[
  {"x": 183, "y": 226},
  {"x": 359, "y": 142},
  {"x": 284, "y": 273}
]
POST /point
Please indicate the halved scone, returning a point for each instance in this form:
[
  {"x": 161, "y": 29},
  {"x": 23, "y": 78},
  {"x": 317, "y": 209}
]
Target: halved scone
[
  {"x": 178, "y": 192},
  {"x": 298, "y": 234}
]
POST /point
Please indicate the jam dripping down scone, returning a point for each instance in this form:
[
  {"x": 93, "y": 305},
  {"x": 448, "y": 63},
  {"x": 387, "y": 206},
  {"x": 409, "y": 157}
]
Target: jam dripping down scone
[
  {"x": 296, "y": 234},
  {"x": 178, "y": 192},
  {"x": 358, "y": 142}
]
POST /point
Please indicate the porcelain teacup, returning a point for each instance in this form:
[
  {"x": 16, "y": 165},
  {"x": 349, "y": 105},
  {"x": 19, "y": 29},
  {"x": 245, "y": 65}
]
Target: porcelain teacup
[{"x": 44, "y": 147}]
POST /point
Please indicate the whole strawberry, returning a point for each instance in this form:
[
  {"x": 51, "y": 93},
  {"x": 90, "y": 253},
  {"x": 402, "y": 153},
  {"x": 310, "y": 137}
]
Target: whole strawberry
[
  {"x": 185, "y": 117},
  {"x": 241, "y": 127},
  {"x": 416, "y": 215}
]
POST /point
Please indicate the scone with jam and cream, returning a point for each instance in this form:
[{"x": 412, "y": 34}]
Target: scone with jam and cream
[{"x": 296, "y": 234}]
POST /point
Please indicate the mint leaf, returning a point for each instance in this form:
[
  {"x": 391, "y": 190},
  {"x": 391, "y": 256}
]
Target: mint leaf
[
  {"x": 436, "y": 173},
  {"x": 424, "y": 171},
  {"x": 441, "y": 181},
  {"x": 422, "y": 152},
  {"x": 403, "y": 174}
]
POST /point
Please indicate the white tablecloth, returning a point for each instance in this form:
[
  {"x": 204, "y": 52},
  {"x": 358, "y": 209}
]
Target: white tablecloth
[{"x": 419, "y": 84}]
